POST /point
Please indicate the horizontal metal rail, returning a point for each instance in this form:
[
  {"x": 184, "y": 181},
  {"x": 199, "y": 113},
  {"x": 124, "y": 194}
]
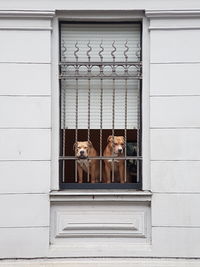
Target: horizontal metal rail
[
  {"x": 82, "y": 77},
  {"x": 104, "y": 63},
  {"x": 100, "y": 158}
]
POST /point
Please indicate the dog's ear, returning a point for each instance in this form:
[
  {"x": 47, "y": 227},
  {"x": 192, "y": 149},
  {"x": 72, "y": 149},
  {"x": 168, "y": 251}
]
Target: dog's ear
[
  {"x": 109, "y": 139},
  {"x": 75, "y": 145},
  {"x": 123, "y": 140},
  {"x": 90, "y": 143}
]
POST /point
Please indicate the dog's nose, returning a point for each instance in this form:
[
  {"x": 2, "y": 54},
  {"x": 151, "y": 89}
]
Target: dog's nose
[
  {"x": 81, "y": 152},
  {"x": 120, "y": 150}
]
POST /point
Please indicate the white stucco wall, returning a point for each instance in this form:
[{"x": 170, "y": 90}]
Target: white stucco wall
[{"x": 26, "y": 100}]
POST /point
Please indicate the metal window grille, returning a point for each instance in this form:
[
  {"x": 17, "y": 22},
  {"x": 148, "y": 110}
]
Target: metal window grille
[{"x": 100, "y": 99}]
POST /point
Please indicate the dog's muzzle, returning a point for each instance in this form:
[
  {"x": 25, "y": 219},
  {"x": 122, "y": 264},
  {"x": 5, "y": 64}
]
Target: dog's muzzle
[{"x": 82, "y": 157}]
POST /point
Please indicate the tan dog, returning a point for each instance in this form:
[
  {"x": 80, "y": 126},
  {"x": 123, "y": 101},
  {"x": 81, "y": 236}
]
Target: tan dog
[
  {"x": 83, "y": 150},
  {"x": 114, "y": 148}
]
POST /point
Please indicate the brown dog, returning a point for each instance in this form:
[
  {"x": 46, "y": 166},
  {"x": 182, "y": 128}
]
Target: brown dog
[
  {"x": 115, "y": 148},
  {"x": 83, "y": 150}
]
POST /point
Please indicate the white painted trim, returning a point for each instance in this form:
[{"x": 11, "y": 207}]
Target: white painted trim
[
  {"x": 24, "y": 62},
  {"x": 172, "y": 13},
  {"x": 100, "y": 195},
  {"x": 25, "y": 29},
  {"x": 146, "y": 106},
  {"x": 99, "y": 192},
  {"x": 100, "y": 16},
  {"x": 27, "y": 14},
  {"x": 55, "y": 106},
  {"x": 175, "y": 62},
  {"x": 109, "y": 262},
  {"x": 175, "y": 28}
]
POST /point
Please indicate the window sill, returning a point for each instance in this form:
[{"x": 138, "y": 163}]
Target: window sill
[{"x": 100, "y": 195}]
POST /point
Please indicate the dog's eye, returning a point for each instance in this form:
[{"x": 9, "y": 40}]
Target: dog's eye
[
  {"x": 79, "y": 147},
  {"x": 85, "y": 147}
]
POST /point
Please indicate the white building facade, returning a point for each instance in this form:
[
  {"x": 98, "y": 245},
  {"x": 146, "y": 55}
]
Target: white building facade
[{"x": 157, "y": 225}]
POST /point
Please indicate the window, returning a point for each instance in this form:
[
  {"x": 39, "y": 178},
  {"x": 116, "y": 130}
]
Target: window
[{"x": 100, "y": 105}]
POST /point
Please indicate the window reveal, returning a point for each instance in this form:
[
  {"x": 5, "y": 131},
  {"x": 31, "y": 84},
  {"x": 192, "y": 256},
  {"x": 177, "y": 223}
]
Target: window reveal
[{"x": 100, "y": 82}]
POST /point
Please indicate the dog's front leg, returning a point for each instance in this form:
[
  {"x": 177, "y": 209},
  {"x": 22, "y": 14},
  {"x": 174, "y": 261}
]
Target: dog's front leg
[
  {"x": 121, "y": 172},
  {"x": 107, "y": 173},
  {"x": 80, "y": 173},
  {"x": 93, "y": 176}
]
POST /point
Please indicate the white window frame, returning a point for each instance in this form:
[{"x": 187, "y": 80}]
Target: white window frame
[{"x": 111, "y": 16}]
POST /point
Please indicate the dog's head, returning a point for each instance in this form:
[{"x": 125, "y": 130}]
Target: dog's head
[
  {"x": 82, "y": 149},
  {"x": 116, "y": 143}
]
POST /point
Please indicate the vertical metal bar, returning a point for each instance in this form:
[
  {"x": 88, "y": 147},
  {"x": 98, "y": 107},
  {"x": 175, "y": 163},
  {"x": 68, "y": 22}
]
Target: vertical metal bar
[
  {"x": 76, "y": 130},
  {"x": 101, "y": 108},
  {"x": 63, "y": 58},
  {"x": 113, "y": 112},
  {"x": 89, "y": 73},
  {"x": 113, "y": 131},
  {"x": 101, "y": 131},
  {"x": 125, "y": 119},
  {"x": 89, "y": 89},
  {"x": 63, "y": 145},
  {"x": 125, "y": 132},
  {"x": 138, "y": 54},
  {"x": 88, "y": 165},
  {"x": 138, "y": 131}
]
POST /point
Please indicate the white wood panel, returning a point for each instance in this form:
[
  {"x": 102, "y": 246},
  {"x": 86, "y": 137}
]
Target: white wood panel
[
  {"x": 25, "y": 112},
  {"x": 25, "y": 144},
  {"x": 25, "y": 79},
  {"x": 24, "y": 176},
  {"x": 175, "y": 46},
  {"x": 102, "y": 220},
  {"x": 175, "y": 111},
  {"x": 25, "y": 22},
  {"x": 101, "y": 215},
  {"x": 175, "y": 242},
  {"x": 23, "y": 210},
  {"x": 175, "y": 210},
  {"x": 24, "y": 242},
  {"x": 100, "y": 223},
  {"x": 25, "y": 46},
  {"x": 174, "y": 22},
  {"x": 174, "y": 79},
  {"x": 175, "y": 144},
  {"x": 175, "y": 176},
  {"x": 121, "y": 225},
  {"x": 106, "y": 262},
  {"x": 102, "y": 5}
]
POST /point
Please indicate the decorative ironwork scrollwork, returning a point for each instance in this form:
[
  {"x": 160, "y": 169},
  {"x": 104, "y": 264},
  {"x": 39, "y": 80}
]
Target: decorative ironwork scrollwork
[
  {"x": 138, "y": 52},
  {"x": 89, "y": 50},
  {"x": 113, "y": 51},
  {"x": 101, "y": 51},
  {"x": 63, "y": 50},
  {"x": 107, "y": 69},
  {"x": 126, "y": 50},
  {"x": 76, "y": 51}
]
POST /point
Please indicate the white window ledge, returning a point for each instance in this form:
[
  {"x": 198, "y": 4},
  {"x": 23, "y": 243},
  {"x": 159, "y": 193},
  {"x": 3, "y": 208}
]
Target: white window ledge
[{"x": 100, "y": 195}]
